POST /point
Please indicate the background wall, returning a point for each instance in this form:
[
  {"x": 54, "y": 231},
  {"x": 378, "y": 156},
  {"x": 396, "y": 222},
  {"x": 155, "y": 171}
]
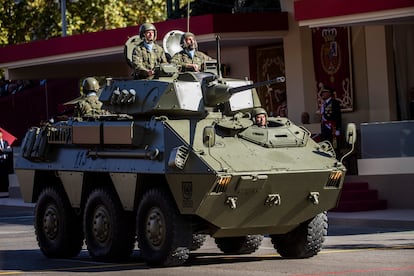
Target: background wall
[{"x": 237, "y": 59}]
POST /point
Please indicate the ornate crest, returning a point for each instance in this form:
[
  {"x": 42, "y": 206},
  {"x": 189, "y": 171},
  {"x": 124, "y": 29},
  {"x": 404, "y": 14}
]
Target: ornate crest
[
  {"x": 332, "y": 64},
  {"x": 330, "y": 53}
]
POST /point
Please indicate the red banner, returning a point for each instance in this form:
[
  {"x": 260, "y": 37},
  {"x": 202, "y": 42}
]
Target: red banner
[
  {"x": 8, "y": 136},
  {"x": 331, "y": 54}
]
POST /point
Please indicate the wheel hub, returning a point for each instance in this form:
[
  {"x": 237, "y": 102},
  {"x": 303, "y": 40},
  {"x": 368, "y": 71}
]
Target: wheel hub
[
  {"x": 101, "y": 227},
  {"x": 51, "y": 222},
  {"x": 155, "y": 231}
]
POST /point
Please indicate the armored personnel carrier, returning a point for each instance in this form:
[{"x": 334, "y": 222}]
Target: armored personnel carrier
[{"x": 178, "y": 159}]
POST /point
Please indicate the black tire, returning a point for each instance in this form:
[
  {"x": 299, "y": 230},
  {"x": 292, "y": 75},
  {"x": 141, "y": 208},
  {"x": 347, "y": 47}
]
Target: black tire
[
  {"x": 164, "y": 236},
  {"x": 58, "y": 229},
  {"x": 239, "y": 245},
  {"x": 109, "y": 230},
  {"x": 305, "y": 241},
  {"x": 198, "y": 241}
]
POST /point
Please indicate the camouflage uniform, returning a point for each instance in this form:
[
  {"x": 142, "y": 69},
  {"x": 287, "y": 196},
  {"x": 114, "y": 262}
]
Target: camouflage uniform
[
  {"x": 89, "y": 106},
  {"x": 182, "y": 58},
  {"x": 145, "y": 60}
]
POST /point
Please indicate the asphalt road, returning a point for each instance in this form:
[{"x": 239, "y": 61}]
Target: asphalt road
[{"x": 348, "y": 250}]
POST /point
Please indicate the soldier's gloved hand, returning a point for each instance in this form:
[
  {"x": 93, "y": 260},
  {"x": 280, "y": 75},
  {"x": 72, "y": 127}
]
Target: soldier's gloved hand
[{"x": 194, "y": 67}]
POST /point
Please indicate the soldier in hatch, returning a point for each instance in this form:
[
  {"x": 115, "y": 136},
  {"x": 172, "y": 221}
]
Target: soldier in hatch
[
  {"x": 89, "y": 104},
  {"x": 147, "y": 54},
  {"x": 190, "y": 59},
  {"x": 260, "y": 117}
]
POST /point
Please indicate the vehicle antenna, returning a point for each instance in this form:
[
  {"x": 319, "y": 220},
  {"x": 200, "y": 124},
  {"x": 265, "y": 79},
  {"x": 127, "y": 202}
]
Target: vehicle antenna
[
  {"x": 218, "y": 56},
  {"x": 188, "y": 15}
]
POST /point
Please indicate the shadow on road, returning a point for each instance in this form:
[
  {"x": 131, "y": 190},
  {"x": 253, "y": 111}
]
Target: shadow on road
[{"x": 35, "y": 261}]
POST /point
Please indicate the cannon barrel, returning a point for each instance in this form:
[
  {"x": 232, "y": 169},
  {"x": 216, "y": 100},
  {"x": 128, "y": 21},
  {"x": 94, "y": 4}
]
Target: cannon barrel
[
  {"x": 220, "y": 93},
  {"x": 255, "y": 85}
]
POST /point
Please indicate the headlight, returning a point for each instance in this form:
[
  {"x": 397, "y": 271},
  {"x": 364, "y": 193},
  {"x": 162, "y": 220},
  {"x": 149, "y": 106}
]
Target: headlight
[{"x": 221, "y": 183}]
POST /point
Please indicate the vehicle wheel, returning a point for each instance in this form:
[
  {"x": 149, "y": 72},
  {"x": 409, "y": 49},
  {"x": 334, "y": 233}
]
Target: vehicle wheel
[
  {"x": 58, "y": 229},
  {"x": 164, "y": 236},
  {"x": 305, "y": 241},
  {"x": 239, "y": 245},
  {"x": 109, "y": 233},
  {"x": 198, "y": 241}
]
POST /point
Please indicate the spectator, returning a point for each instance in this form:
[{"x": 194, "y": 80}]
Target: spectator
[{"x": 331, "y": 118}]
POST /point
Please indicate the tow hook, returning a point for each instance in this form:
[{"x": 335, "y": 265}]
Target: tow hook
[
  {"x": 314, "y": 197},
  {"x": 272, "y": 200},
  {"x": 231, "y": 201}
]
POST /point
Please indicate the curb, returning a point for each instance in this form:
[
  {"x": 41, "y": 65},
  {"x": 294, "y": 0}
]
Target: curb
[
  {"x": 5, "y": 200},
  {"x": 377, "y": 223}
]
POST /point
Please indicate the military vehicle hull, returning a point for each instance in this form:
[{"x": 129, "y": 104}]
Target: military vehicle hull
[{"x": 179, "y": 158}]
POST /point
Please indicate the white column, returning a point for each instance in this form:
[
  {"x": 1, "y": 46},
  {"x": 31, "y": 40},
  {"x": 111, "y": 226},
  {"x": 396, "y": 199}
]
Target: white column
[
  {"x": 381, "y": 91},
  {"x": 300, "y": 79}
]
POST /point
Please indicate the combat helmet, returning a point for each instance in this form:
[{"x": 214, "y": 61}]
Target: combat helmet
[
  {"x": 90, "y": 84},
  {"x": 184, "y": 36},
  {"x": 258, "y": 110},
  {"x": 147, "y": 27}
]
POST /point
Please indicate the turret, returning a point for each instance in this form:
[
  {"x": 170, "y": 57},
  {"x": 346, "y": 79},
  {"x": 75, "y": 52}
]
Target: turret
[{"x": 179, "y": 94}]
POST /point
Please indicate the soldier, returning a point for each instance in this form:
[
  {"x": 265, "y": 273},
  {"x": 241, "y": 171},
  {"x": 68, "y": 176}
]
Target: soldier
[
  {"x": 147, "y": 54},
  {"x": 331, "y": 117},
  {"x": 260, "y": 117},
  {"x": 190, "y": 59},
  {"x": 89, "y": 104}
]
